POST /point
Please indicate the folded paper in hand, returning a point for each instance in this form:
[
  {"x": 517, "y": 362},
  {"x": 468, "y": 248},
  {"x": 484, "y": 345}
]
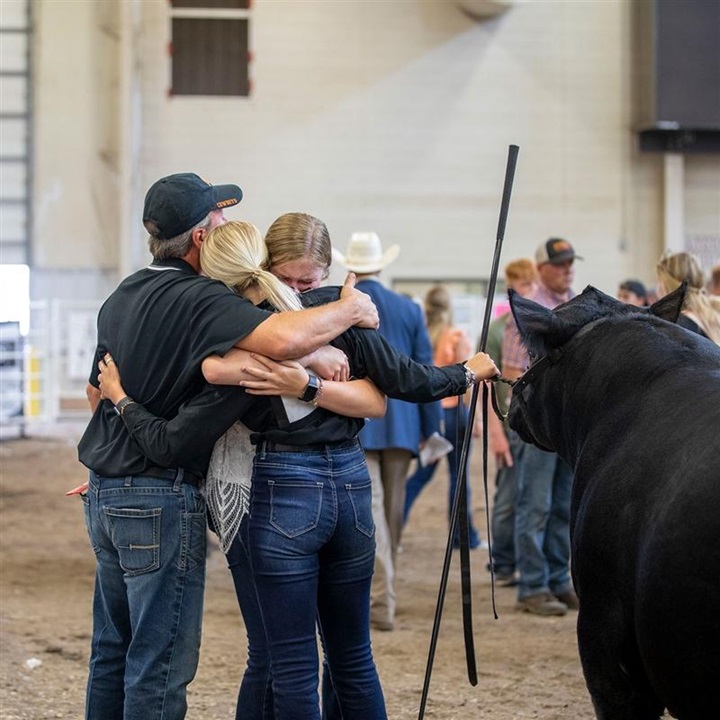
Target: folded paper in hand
[{"x": 436, "y": 447}]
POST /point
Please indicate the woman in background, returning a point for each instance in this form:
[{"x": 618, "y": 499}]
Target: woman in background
[
  {"x": 450, "y": 344},
  {"x": 701, "y": 312}
]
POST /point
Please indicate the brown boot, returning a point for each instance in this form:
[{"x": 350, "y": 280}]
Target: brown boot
[
  {"x": 541, "y": 604},
  {"x": 569, "y": 598}
]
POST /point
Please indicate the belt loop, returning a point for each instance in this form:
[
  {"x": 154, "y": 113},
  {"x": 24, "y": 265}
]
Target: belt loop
[
  {"x": 179, "y": 479},
  {"x": 262, "y": 449},
  {"x": 128, "y": 481}
]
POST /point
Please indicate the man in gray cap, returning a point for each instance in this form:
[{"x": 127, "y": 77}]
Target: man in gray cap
[
  {"x": 542, "y": 515},
  {"x": 146, "y": 523}
]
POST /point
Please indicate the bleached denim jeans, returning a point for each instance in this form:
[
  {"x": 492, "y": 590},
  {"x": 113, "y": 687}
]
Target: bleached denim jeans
[{"x": 149, "y": 539}]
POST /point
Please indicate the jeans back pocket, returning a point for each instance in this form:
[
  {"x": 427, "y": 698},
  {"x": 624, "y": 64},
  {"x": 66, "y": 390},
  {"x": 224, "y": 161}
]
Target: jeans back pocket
[
  {"x": 295, "y": 507},
  {"x": 361, "y": 498},
  {"x": 136, "y": 537}
]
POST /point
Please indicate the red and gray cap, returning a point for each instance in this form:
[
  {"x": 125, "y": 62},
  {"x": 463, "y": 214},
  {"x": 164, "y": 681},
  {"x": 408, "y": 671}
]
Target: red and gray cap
[
  {"x": 555, "y": 251},
  {"x": 176, "y": 203}
]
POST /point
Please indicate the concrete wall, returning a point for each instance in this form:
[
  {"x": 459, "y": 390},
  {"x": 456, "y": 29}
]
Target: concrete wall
[{"x": 392, "y": 116}]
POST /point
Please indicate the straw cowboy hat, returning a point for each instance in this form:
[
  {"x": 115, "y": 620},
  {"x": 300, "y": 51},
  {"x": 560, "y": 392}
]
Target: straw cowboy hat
[{"x": 365, "y": 254}]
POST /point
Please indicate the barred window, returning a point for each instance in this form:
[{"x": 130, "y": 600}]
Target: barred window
[{"x": 210, "y": 47}]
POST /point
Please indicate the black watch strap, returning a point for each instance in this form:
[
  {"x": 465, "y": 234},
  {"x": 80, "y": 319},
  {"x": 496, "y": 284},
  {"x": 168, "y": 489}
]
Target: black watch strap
[{"x": 311, "y": 389}]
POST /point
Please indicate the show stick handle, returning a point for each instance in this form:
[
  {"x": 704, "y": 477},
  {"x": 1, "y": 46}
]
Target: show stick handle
[{"x": 507, "y": 190}]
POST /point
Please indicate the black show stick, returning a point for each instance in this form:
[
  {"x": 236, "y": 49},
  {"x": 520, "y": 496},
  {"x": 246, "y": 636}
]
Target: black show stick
[{"x": 461, "y": 483}]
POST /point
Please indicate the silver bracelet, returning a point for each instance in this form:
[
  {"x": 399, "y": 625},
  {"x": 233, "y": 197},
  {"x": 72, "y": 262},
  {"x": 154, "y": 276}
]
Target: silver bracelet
[
  {"x": 470, "y": 378},
  {"x": 122, "y": 404}
]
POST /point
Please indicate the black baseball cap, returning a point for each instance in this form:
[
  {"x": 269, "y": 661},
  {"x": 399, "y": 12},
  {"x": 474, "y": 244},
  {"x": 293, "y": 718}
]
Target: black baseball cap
[
  {"x": 555, "y": 251},
  {"x": 176, "y": 203},
  {"x": 634, "y": 286}
]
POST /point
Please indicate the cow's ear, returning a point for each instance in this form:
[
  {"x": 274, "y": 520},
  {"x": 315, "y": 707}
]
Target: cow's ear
[
  {"x": 669, "y": 307},
  {"x": 534, "y": 322}
]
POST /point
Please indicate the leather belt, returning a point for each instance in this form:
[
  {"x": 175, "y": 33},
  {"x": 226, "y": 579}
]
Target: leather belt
[
  {"x": 189, "y": 477},
  {"x": 270, "y": 446}
]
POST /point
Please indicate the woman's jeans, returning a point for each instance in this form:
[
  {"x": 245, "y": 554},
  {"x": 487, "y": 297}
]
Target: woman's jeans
[
  {"x": 255, "y": 697},
  {"x": 149, "y": 536},
  {"x": 421, "y": 477},
  {"x": 312, "y": 551}
]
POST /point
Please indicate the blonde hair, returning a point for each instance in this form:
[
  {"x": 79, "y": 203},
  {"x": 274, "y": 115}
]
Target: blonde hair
[
  {"x": 438, "y": 312},
  {"x": 522, "y": 269},
  {"x": 296, "y": 236},
  {"x": 235, "y": 254},
  {"x": 672, "y": 269}
]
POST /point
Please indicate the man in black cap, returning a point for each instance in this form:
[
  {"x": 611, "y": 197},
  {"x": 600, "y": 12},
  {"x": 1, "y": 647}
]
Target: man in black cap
[
  {"x": 146, "y": 523},
  {"x": 632, "y": 292},
  {"x": 542, "y": 513}
]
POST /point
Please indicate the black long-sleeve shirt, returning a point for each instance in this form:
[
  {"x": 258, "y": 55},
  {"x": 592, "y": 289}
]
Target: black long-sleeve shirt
[{"x": 205, "y": 418}]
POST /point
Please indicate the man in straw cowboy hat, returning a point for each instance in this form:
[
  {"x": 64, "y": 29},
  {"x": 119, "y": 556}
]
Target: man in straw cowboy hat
[{"x": 391, "y": 442}]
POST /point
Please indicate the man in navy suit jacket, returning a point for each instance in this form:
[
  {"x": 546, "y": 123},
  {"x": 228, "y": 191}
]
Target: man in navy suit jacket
[{"x": 391, "y": 442}]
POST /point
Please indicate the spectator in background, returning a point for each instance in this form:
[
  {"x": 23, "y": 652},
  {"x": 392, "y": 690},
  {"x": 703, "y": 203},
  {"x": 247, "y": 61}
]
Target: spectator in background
[
  {"x": 714, "y": 283},
  {"x": 632, "y": 292},
  {"x": 450, "y": 345},
  {"x": 542, "y": 515},
  {"x": 701, "y": 312},
  {"x": 520, "y": 276},
  {"x": 390, "y": 443}
]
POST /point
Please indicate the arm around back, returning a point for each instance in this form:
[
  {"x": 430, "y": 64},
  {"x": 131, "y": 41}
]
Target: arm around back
[{"x": 288, "y": 335}]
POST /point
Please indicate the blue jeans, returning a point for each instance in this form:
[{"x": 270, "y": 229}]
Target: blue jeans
[
  {"x": 542, "y": 522},
  {"x": 255, "y": 697},
  {"x": 423, "y": 475},
  {"x": 312, "y": 551},
  {"x": 503, "y": 513},
  {"x": 148, "y": 535}
]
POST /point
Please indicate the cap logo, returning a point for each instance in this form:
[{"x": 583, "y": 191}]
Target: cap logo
[
  {"x": 559, "y": 246},
  {"x": 227, "y": 203}
]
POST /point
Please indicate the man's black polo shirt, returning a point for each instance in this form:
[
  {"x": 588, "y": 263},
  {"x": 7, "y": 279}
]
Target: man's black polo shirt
[
  {"x": 208, "y": 415},
  {"x": 159, "y": 325}
]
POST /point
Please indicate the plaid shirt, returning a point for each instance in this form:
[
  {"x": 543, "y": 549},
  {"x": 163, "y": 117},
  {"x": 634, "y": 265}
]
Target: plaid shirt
[{"x": 514, "y": 354}]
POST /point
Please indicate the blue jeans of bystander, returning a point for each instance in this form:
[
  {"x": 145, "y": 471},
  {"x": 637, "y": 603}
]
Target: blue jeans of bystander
[
  {"x": 542, "y": 522},
  {"x": 149, "y": 537},
  {"x": 503, "y": 512},
  {"x": 312, "y": 552}
]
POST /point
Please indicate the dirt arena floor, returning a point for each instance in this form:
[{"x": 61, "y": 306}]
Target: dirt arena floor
[{"x": 528, "y": 666}]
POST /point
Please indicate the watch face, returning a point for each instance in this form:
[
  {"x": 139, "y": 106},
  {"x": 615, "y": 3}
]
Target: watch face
[{"x": 311, "y": 389}]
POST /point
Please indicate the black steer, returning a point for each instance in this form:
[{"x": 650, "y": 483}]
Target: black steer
[{"x": 632, "y": 402}]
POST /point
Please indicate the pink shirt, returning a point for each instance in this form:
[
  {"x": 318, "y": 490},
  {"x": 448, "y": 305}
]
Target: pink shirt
[{"x": 514, "y": 354}]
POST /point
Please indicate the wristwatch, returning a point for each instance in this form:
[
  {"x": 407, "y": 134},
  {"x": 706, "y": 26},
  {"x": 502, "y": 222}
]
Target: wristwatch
[
  {"x": 311, "y": 389},
  {"x": 123, "y": 403}
]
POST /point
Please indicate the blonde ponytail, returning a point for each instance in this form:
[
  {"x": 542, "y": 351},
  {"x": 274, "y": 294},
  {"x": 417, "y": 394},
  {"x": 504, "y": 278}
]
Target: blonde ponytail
[{"x": 235, "y": 254}]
